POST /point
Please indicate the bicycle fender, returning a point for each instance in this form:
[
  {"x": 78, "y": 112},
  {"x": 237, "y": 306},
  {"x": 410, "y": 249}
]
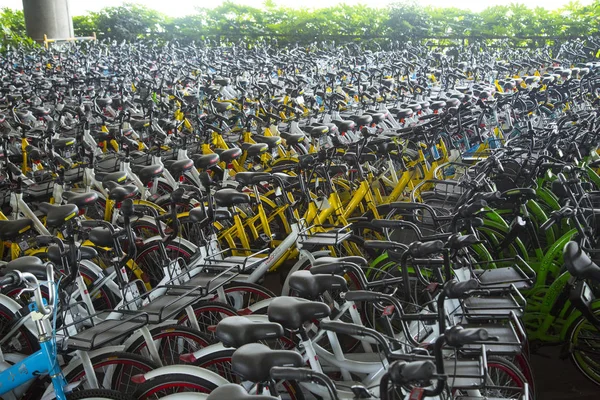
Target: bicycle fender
[
  {"x": 213, "y": 348},
  {"x": 259, "y": 305},
  {"x": 137, "y": 334},
  {"x": 186, "y": 370}
]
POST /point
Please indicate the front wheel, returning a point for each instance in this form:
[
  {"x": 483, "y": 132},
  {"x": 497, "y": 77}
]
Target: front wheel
[{"x": 584, "y": 342}]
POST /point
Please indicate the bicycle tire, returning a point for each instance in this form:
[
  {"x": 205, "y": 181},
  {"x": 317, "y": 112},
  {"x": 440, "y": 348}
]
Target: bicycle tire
[
  {"x": 587, "y": 365},
  {"x": 261, "y": 293},
  {"x": 188, "y": 340},
  {"x": 118, "y": 380}
]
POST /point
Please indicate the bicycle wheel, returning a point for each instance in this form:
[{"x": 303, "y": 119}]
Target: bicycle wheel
[
  {"x": 504, "y": 380},
  {"x": 150, "y": 259},
  {"x": 113, "y": 371},
  {"x": 97, "y": 394},
  {"x": 208, "y": 313},
  {"x": 23, "y": 341},
  {"x": 584, "y": 342},
  {"x": 164, "y": 385},
  {"x": 171, "y": 341},
  {"x": 241, "y": 295}
]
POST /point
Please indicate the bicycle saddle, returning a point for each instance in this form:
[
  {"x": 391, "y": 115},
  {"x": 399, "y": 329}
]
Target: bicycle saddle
[
  {"x": 251, "y": 178},
  {"x": 57, "y": 215},
  {"x": 230, "y": 197},
  {"x": 101, "y": 237},
  {"x": 436, "y": 105},
  {"x": 404, "y": 113},
  {"x": 81, "y": 200},
  {"x": 228, "y": 156},
  {"x": 364, "y": 120},
  {"x": 10, "y": 230},
  {"x": 237, "y": 331},
  {"x": 253, "y": 362},
  {"x": 119, "y": 193},
  {"x": 317, "y": 131},
  {"x": 344, "y": 125},
  {"x": 458, "y": 241},
  {"x": 178, "y": 167},
  {"x": 205, "y": 161},
  {"x": 85, "y": 253},
  {"x": 235, "y": 392},
  {"x": 311, "y": 286},
  {"x": 292, "y": 312},
  {"x": 146, "y": 174},
  {"x": 291, "y": 139},
  {"x": 29, "y": 264},
  {"x": 40, "y": 111},
  {"x": 104, "y": 101},
  {"x": 117, "y": 177},
  {"x": 271, "y": 141},
  {"x": 377, "y": 117},
  {"x": 253, "y": 150},
  {"x": 579, "y": 264}
]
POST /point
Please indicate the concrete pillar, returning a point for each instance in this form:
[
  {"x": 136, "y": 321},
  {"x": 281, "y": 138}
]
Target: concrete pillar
[{"x": 48, "y": 17}]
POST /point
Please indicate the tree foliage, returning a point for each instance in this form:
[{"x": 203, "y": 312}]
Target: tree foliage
[{"x": 401, "y": 21}]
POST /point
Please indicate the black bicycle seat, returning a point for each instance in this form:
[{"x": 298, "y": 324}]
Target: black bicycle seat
[
  {"x": 237, "y": 331},
  {"x": 579, "y": 264}
]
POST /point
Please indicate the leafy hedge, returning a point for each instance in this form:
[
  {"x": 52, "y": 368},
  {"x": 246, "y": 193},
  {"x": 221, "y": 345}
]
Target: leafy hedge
[{"x": 402, "y": 21}]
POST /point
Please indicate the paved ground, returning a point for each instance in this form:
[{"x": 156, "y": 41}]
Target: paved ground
[{"x": 558, "y": 379}]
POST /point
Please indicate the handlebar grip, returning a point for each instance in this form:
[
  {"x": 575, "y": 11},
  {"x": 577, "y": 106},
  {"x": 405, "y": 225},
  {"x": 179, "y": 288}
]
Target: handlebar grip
[
  {"x": 457, "y": 336},
  {"x": 402, "y": 372},
  {"x": 45, "y": 240},
  {"x": 363, "y": 295},
  {"x": 10, "y": 279},
  {"x": 456, "y": 290},
  {"x": 419, "y": 249},
  {"x": 468, "y": 210},
  {"x": 343, "y": 328},
  {"x": 380, "y": 244},
  {"x": 493, "y": 196},
  {"x": 291, "y": 374}
]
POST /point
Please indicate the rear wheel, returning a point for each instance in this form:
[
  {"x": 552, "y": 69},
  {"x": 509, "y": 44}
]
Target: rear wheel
[
  {"x": 171, "y": 341},
  {"x": 584, "y": 342}
]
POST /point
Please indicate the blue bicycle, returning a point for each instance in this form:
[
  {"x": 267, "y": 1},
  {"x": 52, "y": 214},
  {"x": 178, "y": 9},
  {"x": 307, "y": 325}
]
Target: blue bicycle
[{"x": 14, "y": 379}]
